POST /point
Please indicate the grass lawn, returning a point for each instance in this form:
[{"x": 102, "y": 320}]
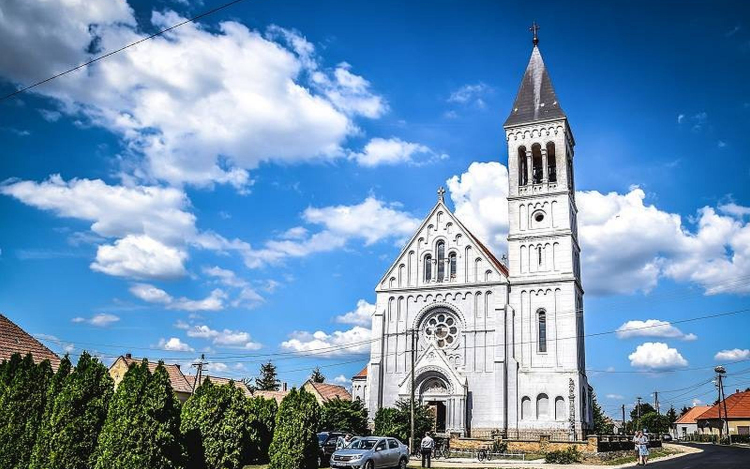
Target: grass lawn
[
  {"x": 655, "y": 453},
  {"x": 256, "y": 466}
]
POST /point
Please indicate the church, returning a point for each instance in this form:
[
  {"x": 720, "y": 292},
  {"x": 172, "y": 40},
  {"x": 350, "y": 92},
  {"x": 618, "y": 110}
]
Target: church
[{"x": 493, "y": 347}]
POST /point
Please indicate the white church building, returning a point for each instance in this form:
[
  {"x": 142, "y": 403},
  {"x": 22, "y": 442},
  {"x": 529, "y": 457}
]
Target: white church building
[{"x": 499, "y": 345}]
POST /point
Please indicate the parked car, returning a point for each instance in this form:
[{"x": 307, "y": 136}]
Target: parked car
[
  {"x": 372, "y": 452},
  {"x": 666, "y": 437},
  {"x": 327, "y": 442}
]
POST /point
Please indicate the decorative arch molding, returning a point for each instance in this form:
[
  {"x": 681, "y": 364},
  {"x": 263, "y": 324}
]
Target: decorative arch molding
[
  {"x": 428, "y": 373},
  {"x": 437, "y": 305}
]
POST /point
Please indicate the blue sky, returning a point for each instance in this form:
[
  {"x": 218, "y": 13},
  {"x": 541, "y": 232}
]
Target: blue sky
[{"x": 226, "y": 186}]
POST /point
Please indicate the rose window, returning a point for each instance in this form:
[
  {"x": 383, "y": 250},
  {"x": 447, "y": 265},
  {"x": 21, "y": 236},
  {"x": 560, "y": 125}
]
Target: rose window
[{"x": 441, "y": 328}]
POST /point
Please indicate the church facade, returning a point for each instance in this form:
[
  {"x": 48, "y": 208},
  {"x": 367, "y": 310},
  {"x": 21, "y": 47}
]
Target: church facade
[{"x": 493, "y": 346}]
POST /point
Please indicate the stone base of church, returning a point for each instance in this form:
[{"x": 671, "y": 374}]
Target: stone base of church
[{"x": 555, "y": 434}]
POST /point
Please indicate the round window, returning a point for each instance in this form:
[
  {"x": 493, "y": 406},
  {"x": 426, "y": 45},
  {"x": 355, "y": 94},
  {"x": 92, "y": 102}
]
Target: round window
[
  {"x": 442, "y": 328},
  {"x": 539, "y": 217}
]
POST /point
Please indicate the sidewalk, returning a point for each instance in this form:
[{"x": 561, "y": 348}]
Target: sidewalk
[{"x": 466, "y": 463}]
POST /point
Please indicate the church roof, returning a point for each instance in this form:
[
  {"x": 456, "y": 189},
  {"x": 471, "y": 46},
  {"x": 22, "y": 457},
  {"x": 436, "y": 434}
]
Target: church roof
[
  {"x": 536, "y": 99},
  {"x": 361, "y": 374}
]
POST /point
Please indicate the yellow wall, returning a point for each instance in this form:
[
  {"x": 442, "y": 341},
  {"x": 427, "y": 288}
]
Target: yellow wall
[{"x": 733, "y": 424}]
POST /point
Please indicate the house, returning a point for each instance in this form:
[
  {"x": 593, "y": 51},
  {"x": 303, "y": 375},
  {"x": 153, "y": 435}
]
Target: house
[
  {"x": 13, "y": 340},
  {"x": 687, "y": 424},
  {"x": 180, "y": 384},
  {"x": 219, "y": 381},
  {"x": 324, "y": 392},
  {"x": 735, "y": 409},
  {"x": 359, "y": 385}
]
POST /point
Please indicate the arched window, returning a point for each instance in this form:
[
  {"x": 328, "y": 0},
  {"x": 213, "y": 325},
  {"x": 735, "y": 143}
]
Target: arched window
[
  {"x": 542, "y": 406},
  {"x": 542, "y": 339},
  {"x": 536, "y": 160},
  {"x": 452, "y": 264},
  {"x": 440, "y": 261},
  {"x": 525, "y": 408},
  {"x": 551, "y": 162},
  {"x": 523, "y": 171},
  {"x": 427, "y": 268},
  {"x": 559, "y": 408}
]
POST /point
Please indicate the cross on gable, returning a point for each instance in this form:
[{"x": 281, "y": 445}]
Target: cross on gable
[
  {"x": 441, "y": 194},
  {"x": 535, "y": 29}
]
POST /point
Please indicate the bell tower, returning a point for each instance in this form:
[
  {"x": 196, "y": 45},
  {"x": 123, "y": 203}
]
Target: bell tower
[{"x": 546, "y": 294}]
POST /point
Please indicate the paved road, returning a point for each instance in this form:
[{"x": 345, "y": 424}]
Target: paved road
[{"x": 712, "y": 457}]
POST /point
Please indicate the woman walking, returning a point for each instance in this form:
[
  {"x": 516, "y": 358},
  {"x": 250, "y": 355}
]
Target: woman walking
[{"x": 642, "y": 447}]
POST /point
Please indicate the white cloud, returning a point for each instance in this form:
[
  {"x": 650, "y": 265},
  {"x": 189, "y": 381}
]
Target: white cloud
[
  {"x": 341, "y": 379},
  {"x": 225, "y": 276},
  {"x": 656, "y": 356},
  {"x": 226, "y": 337},
  {"x": 617, "y": 397},
  {"x": 168, "y": 98},
  {"x": 626, "y": 245},
  {"x": 732, "y": 355},
  {"x": 480, "y": 199},
  {"x": 140, "y": 257},
  {"x": 175, "y": 344},
  {"x": 350, "y": 342},
  {"x": 652, "y": 328},
  {"x": 470, "y": 94},
  {"x": 99, "y": 320},
  {"x": 380, "y": 151},
  {"x": 696, "y": 402},
  {"x": 217, "y": 367},
  {"x": 371, "y": 220},
  {"x": 361, "y": 316},
  {"x": 151, "y": 294}
]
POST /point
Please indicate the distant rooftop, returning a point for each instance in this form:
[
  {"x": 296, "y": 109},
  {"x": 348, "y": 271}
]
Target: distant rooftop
[{"x": 13, "y": 339}]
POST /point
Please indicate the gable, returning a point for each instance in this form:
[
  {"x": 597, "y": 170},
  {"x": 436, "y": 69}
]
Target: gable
[
  {"x": 433, "y": 359},
  {"x": 474, "y": 262}
]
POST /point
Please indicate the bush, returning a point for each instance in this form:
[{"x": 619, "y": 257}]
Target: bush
[
  {"x": 570, "y": 455},
  {"x": 216, "y": 427},
  {"x": 142, "y": 429},
  {"x": 295, "y": 442},
  {"x": 348, "y": 416},
  {"x": 23, "y": 396},
  {"x": 396, "y": 422},
  {"x": 68, "y": 439},
  {"x": 43, "y": 446},
  {"x": 263, "y": 421}
]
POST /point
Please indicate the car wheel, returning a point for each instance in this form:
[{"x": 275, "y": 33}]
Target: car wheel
[
  {"x": 402, "y": 463},
  {"x": 369, "y": 465}
]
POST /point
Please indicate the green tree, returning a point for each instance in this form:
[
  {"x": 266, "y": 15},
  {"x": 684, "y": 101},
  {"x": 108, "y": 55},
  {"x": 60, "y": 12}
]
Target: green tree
[
  {"x": 396, "y": 422},
  {"x": 344, "y": 415},
  {"x": 142, "y": 429},
  {"x": 216, "y": 427},
  {"x": 268, "y": 380},
  {"x": 295, "y": 442},
  {"x": 76, "y": 419},
  {"x": 684, "y": 411},
  {"x": 317, "y": 376},
  {"x": 263, "y": 421},
  {"x": 43, "y": 447},
  {"x": 603, "y": 425},
  {"x": 655, "y": 423},
  {"x": 672, "y": 416},
  {"x": 22, "y": 402}
]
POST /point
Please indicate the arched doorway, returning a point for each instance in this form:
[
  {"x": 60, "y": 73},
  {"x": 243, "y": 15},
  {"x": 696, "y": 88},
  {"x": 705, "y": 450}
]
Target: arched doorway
[{"x": 433, "y": 393}]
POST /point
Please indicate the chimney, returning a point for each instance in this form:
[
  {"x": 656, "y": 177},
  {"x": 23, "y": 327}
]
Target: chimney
[
  {"x": 283, "y": 386},
  {"x": 128, "y": 356}
]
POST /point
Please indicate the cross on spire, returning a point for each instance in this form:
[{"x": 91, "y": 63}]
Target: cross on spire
[
  {"x": 441, "y": 194},
  {"x": 535, "y": 30}
]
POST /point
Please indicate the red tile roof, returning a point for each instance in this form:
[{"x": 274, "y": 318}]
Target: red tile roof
[
  {"x": 737, "y": 407},
  {"x": 331, "y": 391},
  {"x": 277, "y": 395},
  {"x": 176, "y": 378},
  {"x": 218, "y": 380},
  {"x": 692, "y": 415},
  {"x": 13, "y": 339},
  {"x": 361, "y": 374}
]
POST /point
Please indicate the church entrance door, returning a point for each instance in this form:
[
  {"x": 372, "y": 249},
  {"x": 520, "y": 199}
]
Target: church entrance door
[{"x": 438, "y": 410}]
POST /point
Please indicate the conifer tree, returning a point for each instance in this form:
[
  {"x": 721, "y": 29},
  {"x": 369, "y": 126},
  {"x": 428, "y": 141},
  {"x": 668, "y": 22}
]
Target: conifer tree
[
  {"x": 263, "y": 421},
  {"x": 42, "y": 447},
  {"x": 22, "y": 404},
  {"x": 216, "y": 426},
  {"x": 602, "y": 424},
  {"x": 76, "y": 419},
  {"x": 317, "y": 376},
  {"x": 295, "y": 443},
  {"x": 268, "y": 380},
  {"x": 672, "y": 415},
  {"x": 142, "y": 428}
]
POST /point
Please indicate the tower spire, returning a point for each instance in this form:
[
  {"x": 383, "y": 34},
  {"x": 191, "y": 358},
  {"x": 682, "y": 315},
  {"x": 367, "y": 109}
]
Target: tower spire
[{"x": 535, "y": 30}]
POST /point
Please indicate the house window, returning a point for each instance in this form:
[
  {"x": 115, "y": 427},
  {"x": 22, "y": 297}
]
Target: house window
[
  {"x": 427, "y": 268},
  {"x": 440, "y": 261},
  {"x": 452, "y": 264},
  {"x": 542, "y": 339}
]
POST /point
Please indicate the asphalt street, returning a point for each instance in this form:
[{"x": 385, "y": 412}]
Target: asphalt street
[{"x": 712, "y": 457}]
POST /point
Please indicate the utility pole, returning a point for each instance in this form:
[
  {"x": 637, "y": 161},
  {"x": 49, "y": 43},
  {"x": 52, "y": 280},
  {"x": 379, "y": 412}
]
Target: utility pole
[
  {"x": 720, "y": 372},
  {"x": 623, "y": 419},
  {"x": 413, "y": 442},
  {"x": 637, "y": 414},
  {"x": 199, "y": 374},
  {"x": 656, "y": 402}
]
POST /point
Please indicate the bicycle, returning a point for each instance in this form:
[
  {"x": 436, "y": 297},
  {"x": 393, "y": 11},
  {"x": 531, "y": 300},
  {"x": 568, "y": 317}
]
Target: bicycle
[{"x": 484, "y": 455}]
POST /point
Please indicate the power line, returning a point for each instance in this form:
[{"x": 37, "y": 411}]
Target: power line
[{"x": 127, "y": 46}]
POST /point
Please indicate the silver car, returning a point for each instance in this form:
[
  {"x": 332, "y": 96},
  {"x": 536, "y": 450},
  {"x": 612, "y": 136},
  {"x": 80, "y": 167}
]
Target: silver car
[{"x": 372, "y": 452}]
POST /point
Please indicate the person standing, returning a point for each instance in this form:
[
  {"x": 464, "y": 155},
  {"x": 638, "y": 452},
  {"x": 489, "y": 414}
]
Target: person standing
[
  {"x": 427, "y": 445},
  {"x": 636, "y": 445},
  {"x": 643, "y": 449}
]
